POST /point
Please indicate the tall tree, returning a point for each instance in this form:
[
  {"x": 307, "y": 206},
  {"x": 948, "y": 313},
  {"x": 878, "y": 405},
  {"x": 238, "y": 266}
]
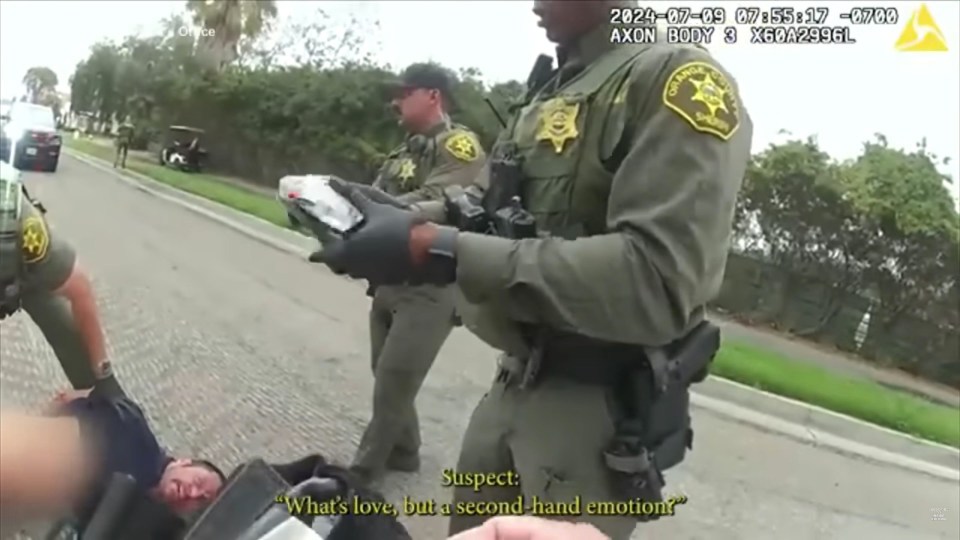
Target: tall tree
[
  {"x": 225, "y": 23},
  {"x": 94, "y": 84},
  {"x": 792, "y": 210},
  {"x": 40, "y": 81},
  {"x": 906, "y": 197}
]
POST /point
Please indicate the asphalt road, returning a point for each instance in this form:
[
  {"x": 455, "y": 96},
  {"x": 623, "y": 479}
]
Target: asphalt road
[{"x": 239, "y": 350}]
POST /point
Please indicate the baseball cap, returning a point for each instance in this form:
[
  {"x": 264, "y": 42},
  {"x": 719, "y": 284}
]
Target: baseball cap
[{"x": 423, "y": 75}]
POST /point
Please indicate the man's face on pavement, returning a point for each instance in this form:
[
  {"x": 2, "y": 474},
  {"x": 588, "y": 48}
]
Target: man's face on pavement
[
  {"x": 414, "y": 106},
  {"x": 187, "y": 486}
]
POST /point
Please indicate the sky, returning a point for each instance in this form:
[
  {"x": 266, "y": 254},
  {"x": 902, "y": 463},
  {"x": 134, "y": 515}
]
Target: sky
[{"x": 843, "y": 94}]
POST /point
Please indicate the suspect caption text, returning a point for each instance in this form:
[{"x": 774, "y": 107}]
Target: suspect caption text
[{"x": 521, "y": 505}]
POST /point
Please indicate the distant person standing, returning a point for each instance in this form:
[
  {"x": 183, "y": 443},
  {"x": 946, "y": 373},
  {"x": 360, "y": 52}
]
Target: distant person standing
[{"x": 124, "y": 136}]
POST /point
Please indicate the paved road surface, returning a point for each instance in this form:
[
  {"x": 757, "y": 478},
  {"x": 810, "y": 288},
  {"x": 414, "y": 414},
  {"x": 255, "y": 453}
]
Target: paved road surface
[
  {"x": 795, "y": 348},
  {"x": 237, "y": 350}
]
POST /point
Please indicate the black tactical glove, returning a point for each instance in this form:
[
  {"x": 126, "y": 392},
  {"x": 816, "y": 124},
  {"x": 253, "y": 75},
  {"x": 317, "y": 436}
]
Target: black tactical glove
[
  {"x": 372, "y": 193},
  {"x": 107, "y": 384},
  {"x": 375, "y": 194},
  {"x": 380, "y": 250}
]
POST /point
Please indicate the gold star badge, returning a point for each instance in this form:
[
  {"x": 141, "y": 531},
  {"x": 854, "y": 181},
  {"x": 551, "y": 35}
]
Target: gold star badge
[
  {"x": 36, "y": 241},
  {"x": 558, "y": 123},
  {"x": 408, "y": 170},
  {"x": 710, "y": 94}
]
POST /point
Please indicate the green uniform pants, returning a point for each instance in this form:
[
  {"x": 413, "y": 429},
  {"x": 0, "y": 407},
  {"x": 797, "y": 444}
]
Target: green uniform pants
[
  {"x": 53, "y": 316},
  {"x": 121, "y": 157},
  {"x": 408, "y": 326},
  {"x": 552, "y": 435}
]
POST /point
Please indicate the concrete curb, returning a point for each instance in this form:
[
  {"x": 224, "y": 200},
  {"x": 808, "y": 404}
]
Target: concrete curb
[
  {"x": 818, "y": 419},
  {"x": 823, "y": 439},
  {"x": 797, "y": 420}
]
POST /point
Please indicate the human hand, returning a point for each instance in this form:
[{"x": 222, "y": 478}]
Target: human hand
[
  {"x": 69, "y": 394},
  {"x": 530, "y": 528},
  {"x": 107, "y": 384},
  {"x": 62, "y": 397},
  {"x": 379, "y": 251}
]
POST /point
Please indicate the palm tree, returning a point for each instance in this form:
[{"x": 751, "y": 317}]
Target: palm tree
[
  {"x": 39, "y": 81},
  {"x": 229, "y": 22}
]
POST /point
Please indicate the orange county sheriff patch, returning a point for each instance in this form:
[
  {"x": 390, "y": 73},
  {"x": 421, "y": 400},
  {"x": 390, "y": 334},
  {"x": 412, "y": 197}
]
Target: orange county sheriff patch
[
  {"x": 558, "y": 123},
  {"x": 462, "y": 146},
  {"x": 704, "y": 97},
  {"x": 36, "y": 240}
]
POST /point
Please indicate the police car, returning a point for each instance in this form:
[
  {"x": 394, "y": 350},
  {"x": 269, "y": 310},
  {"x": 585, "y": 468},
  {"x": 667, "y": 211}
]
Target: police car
[{"x": 30, "y": 134}]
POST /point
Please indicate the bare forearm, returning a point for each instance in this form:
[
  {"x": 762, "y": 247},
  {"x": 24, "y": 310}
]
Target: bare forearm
[
  {"x": 44, "y": 464},
  {"x": 83, "y": 305}
]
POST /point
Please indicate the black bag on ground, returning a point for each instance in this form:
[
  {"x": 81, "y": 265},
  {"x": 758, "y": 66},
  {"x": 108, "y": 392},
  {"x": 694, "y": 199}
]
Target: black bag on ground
[{"x": 253, "y": 489}]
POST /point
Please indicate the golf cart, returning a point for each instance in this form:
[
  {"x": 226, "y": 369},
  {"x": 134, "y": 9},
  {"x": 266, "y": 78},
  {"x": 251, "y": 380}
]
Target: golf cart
[{"x": 182, "y": 150}]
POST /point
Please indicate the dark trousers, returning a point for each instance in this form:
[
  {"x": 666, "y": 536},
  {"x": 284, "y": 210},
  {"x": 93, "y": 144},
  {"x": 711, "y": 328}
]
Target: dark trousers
[{"x": 121, "y": 156}]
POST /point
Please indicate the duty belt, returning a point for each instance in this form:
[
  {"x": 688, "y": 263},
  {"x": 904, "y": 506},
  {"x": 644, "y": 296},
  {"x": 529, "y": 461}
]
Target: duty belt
[
  {"x": 587, "y": 360},
  {"x": 564, "y": 355}
]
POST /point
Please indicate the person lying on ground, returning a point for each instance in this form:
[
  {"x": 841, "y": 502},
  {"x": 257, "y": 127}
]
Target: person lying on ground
[
  {"x": 57, "y": 464},
  {"x": 48, "y": 463}
]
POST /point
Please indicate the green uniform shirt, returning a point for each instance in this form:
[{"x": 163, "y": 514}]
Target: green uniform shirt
[
  {"x": 124, "y": 135},
  {"x": 48, "y": 259},
  {"x": 424, "y": 165},
  {"x": 631, "y": 168},
  {"x": 418, "y": 173},
  {"x": 31, "y": 254}
]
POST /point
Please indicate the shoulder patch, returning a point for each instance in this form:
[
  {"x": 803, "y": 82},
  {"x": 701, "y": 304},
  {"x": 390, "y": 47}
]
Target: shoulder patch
[
  {"x": 463, "y": 146},
  {"x": 703, "y": 96},
  {"x": 36, "y": 239}
]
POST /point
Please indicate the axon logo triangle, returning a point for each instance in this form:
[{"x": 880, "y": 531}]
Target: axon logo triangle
[{"x": 921, "y": 33}]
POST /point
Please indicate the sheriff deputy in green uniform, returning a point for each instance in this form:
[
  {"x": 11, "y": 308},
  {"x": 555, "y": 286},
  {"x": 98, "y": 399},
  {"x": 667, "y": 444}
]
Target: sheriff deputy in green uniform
[
  {"x": 611, "y": 194},
  {"x": 409, "y": 324},
  {"x": 39, "y": 273},
  {"x": 124, "y": 137}
]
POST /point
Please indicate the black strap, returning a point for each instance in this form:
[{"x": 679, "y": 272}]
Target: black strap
[{"x": 36, "y": 204}]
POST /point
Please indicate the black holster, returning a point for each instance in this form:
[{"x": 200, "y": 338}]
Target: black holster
[{"x": 655, "y": 432}]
